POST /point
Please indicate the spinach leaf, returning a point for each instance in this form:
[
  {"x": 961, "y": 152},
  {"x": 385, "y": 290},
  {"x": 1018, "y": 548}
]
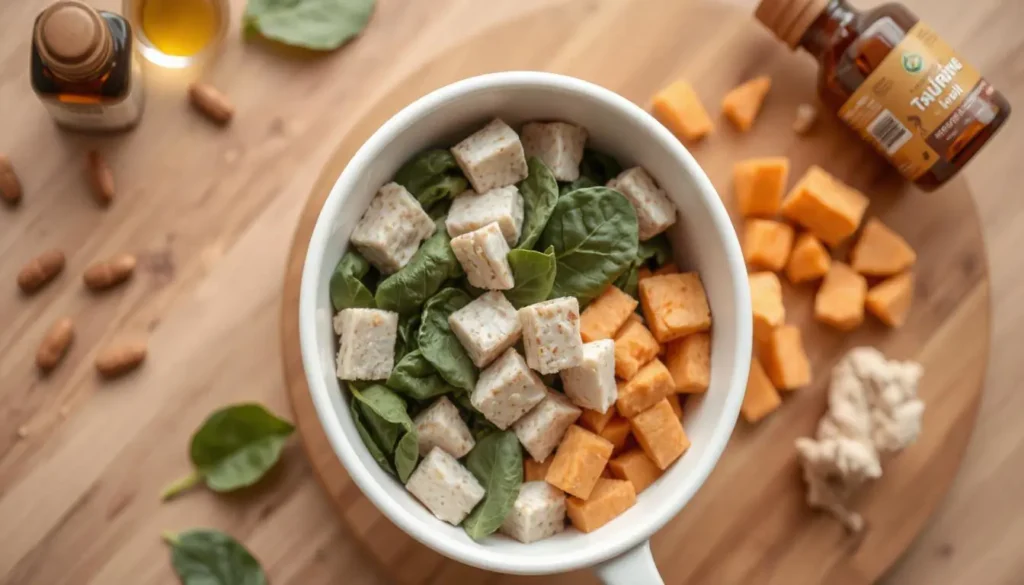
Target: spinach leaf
[
  {"x": 408, "y": 329},
  {"x": 594, "y": 235},
  {"x": 386, "y": 415},
  {"x": 234, "y": 448},
  {"x": 376, "y": 452},
  {"x": 406, "y": 290},
  {"x": 209, "y": 557},
  {"x": 438, "y": 343},
  {"x": 347, "y": 290},
  {"x": 385, "y": 404},
  {"x": 416, "y": 378},
  {"x": 599, "y": 167},
  {"x": 432, "y": 176},
  {"x": 407, "y": 455},
  {"x": 580, "y": 183},
  {"x": 318, "y": 25},
  {"x": 497, "y": 463},
  {"x": 658, "y": 249},
  {"x": 385, "y": 434},
  {"x": 629, "y": 281},
  {"x": 534, "y": 274},
  {"x": 540, "y": 192}
]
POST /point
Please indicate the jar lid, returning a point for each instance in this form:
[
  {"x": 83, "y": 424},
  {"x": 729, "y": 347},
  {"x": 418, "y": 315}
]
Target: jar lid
[
  {"x": 789, "y": 19},
  {"x": 73, "y": 40}
]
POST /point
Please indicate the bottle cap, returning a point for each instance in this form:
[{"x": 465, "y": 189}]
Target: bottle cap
[
  {"x": 789, "y": 19},
  {"x": 73, "y": 40}
]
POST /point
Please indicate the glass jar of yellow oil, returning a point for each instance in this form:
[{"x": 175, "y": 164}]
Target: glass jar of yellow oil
[{"x": 178, "y": 33}]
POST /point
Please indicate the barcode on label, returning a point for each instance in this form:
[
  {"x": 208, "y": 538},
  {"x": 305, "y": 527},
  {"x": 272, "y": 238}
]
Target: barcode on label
[{"x": 888, "y": 132}]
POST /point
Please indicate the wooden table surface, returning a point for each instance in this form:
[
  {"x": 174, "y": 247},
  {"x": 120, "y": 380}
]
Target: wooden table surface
[{"x": 211, "y": 212}]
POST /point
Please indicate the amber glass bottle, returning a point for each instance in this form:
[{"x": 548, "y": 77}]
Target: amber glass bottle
[
  {"x": 895, "y": 82},
  {"x": 83, "y": 68}
]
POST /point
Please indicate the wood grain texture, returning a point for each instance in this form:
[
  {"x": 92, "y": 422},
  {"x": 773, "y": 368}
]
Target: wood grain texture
[{"x": 210, "y": 214}]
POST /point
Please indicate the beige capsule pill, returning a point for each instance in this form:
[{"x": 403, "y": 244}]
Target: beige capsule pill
[
  {"x": 120, "y": 359},
  {"x": 211, "y": 102},
  {"x": 55, "y": 345}
]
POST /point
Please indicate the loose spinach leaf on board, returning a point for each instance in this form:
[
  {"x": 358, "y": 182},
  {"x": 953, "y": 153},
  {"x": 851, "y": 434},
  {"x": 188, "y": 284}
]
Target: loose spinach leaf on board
[
  {"x": 594, "y": 235},
  {"x": 657, "y": 249},
  {"x": 628, "y": 282},
  {"x": 346, "y": 286},
  {"x": 540, "y": 192},
  {"x": 580, "y": 183},
  {"x": 599, "y": 167},
  {"x": 438, "y": 343},
  {"x": 534, "y": 275},
  {"x": 416, "y": 378},
  {"x": 406, "y": 290},
  {"x": 407, "y": 455},
  {"x": 234, "y": 448},
  {"x": 318, "y": 25},
  {"x": 375, "y": 450},
  {"x": 432, "y": 176},
  {"x": 497, "y": 463},
  {"x": 209, "y": 557}
]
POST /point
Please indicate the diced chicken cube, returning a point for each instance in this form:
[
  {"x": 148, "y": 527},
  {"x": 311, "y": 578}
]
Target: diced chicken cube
[
  {"x": 654, "y": 210},
  {"x": 483, "y": 254},
  {"x": 591, "y": 384},
  {"x": 367, "y": 343},
  {"x": 440, "y": 425},
  {"x": 551, "y": 334},
  {"x": 471, "y": 211},
  {"x": 541, "y": 429},
  {"x": 392, "y": 228},
  {"x": 538, "y": 512},
  {"x": 491, "y": 157},
  {"x": 558, "y": 145},
  {"x": 445, "y": 487},
  {"x": 486, "y": 327},
  {"x": 507, "y": 389}
]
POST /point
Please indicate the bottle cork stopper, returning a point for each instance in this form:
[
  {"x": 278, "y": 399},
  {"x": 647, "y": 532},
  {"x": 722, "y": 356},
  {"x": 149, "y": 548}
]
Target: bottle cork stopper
[
  {"x": 789, "y": 19},
  {"x": 73, "y": 40}
]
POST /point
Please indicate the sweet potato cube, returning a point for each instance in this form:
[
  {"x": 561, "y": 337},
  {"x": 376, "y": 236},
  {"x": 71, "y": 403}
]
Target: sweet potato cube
[
  {"x": 650, "y": 385},
  {"x": 785, "y": 360},
  {"x": 533, "y": 471},
  {"x": 743, "y": 102},
  {"x": 606, "y": 314},
  {"x": 609, "y": 498},
  {"x": 829, "y": 209},
  {"x": 890, "y": 299},
  {"x": 634, "y": 348},
  {"x": 689, "y": 361},
  {"x": 578, "y": 462},
  {"x": 677, "y": 407},
  {"x": 660, "y": 434},
  {"x": 767, "y": 243},
  {"x": 616, "y": 432},
  {"x": 679, "y": 109},
  {"x": 759, "y": 184},
  {"x": 643, "y": 273},
  {"x": 595, "y": 421},
  {"x": 766, "y": 299},
  {"x": 675, "y": 305},
  {"x": 808, "y": 261},
  {"x": 669, "y": 268},
  {"x": 761, "y": 398},
  {"x": 635, "y": 467},
  {"x": 840, "y": 300},
  {"x": 881, "y": 251}
]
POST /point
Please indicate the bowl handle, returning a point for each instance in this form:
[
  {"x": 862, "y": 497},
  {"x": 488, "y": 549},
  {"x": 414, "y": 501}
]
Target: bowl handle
[{"x": 633, "y": 567}]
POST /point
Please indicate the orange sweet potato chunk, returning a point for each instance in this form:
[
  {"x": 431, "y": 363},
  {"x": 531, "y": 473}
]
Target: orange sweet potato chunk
[
  {"x": 766, "y": 299},
  {"x": 616, "y": 432},
  {"x": 533, "y": 471},
  {"x": 606, "y": 314},
  {"x": 675, "y": 305},
  {"x": 759, "y": 184},
  {"x": 595, "y": 421},
  {"x": 635, "y": 467},
  {"x": 767, "y": 243},
  {"x": 634, "y": 348},
  {"x": 761, "y": 398},
  {"x": 890, "y": 299},
  {"x": 742, "y": 104},
  {"x": 827, "y": 207},
  {"x": 808, "y": 261},
  {"x": 650, "y": 385},
  {"x": 840, "y": 300},
  {"x": 660, "y": 434},
  {"x": 881, "y": 251},
  {"x": 578, "y": 462},
  {"x": 689, "y": 361},
  {"x": 680, "y": 110},
  {"x": 785, "y": 360},
  {"x": 669, "y": 268},
  {"x": 610, "y": 498}
]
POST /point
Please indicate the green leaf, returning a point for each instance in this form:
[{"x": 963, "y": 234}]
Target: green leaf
[
  {"x": 658, "y": 249},
  {"x": 534, "y": 274},
  {"x": 594, "y": 235},
  {"x": 375, "y": 450},
  {"x": 408, "y": 330},
  {"x": 580, "y": 183},
  {"x": 540, "y": 192},
  {"x": 628, "y": 282},
  {"x": 318, "y": 25},
  {"x": 384, "y": 403},
  {"x": 386, "y": 416},
  {"x": 209, "y": 557},
  {"x": 432, "y": 176},
  {"x": 599, "y": 167},
  {"x": 347, "y": 290},
  {"x": 439, "y": 345},
  {"x": 385, "y": 434},
  {"x": 497, "y": 463},
  {"x": 416, "y": 378},
  {"x": 407, "y": 455},
  {"x": 406, "y": 290},
  {"x": 234, "y": 448}
]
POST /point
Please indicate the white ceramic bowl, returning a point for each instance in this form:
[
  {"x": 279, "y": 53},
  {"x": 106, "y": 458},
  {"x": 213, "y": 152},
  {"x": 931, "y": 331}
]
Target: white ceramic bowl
[{"x": 704, "y": 240}]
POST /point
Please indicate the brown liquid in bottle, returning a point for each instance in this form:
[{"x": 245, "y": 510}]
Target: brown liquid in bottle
[{"x": 925, "y": 110}]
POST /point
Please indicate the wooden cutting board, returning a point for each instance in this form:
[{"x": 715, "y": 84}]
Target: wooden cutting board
[{"x": 748, "y": 524}]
